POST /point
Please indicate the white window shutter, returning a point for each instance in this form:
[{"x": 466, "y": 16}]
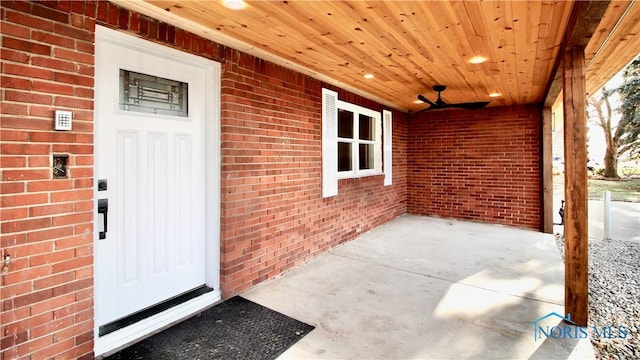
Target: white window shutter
[
  {"x": 387, "y": 126},
  {"x": 329, "y": 143}
]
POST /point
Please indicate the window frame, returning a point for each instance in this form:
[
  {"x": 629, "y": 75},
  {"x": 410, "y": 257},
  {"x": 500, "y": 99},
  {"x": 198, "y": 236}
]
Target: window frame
[{"x": 355, "y": 142}]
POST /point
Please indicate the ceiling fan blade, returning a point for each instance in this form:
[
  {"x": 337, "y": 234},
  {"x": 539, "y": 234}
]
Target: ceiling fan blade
[
  {"x": 468, "y": 106},
  {"x": 425, "y": 100},
  {"x": 422, "y": 110},
  {"x": 471, "y": 105},
  {"x": 440, "y": 104}
]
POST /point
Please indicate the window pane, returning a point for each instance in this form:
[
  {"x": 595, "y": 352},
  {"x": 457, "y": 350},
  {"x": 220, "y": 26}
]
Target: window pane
[
  {"x": 152, "y": 94},
  {"x": 345, "y": 124},
  {"x": 344, "y": 157},
  {"x": 366, "y": 156},
  {"x": 366, "y": 127}
]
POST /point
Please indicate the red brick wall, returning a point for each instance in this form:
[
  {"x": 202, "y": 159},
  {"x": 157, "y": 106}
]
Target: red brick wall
[
  {"x": 477, "y": 165},
  {"x": 273, "y": 215},
  {"x": 46, "y": 223}
]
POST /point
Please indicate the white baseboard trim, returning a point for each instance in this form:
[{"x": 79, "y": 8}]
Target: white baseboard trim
[{"x": 119, "y": 339}]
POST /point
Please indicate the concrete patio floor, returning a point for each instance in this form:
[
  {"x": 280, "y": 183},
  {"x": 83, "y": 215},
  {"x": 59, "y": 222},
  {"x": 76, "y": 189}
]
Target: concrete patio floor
[{"x": 427, "y": 288}]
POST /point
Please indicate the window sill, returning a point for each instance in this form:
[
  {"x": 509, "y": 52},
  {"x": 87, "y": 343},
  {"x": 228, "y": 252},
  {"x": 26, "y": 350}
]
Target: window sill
[{"x": 359, "y": 175}]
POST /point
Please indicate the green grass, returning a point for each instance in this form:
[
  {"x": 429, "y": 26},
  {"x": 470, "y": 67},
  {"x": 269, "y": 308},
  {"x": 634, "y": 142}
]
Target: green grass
[{"x": 621, "y": 190}]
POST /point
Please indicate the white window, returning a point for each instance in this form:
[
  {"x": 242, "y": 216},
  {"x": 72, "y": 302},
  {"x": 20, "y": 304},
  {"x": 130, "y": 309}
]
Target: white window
[
  {"x": 352, "y": 142},
  {"x": 359, "y": 141}
]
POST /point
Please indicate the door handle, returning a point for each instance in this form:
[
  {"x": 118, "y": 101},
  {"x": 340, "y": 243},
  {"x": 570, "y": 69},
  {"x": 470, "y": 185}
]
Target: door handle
[{"x": 103, "y": 208}]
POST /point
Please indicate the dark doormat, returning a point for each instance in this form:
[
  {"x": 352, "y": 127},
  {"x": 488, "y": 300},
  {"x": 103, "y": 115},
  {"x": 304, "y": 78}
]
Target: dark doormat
[{"x": 234, "y": 329}]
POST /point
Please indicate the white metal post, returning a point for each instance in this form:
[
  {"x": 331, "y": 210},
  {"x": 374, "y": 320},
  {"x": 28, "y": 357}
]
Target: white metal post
[{"x": 607, "y": 215}]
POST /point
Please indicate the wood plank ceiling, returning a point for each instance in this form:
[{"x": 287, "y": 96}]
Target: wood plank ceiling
[
  {"x": 408, "y": 46},
  {"x": 614, "y": 44}
]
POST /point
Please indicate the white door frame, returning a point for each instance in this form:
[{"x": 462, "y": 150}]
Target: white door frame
[{"x": 111, "y": 342}]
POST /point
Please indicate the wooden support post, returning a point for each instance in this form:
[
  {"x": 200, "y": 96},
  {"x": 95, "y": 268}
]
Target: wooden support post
[
  {"x": 547, "y": 171},
  {"x": 575, "y": 182}
]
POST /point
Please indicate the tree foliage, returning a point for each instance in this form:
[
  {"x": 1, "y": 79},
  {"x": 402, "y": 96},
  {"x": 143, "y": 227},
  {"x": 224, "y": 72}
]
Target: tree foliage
[{"x": 629, "y": 93}]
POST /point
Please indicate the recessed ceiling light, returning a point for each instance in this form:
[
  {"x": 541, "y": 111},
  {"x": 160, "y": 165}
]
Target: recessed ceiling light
[
  {"x": 477, "y": 59},
  {"x": 495, "y": 94},
  {"x": 368, "y": 76},
  {"x": 234, "y": 4}
]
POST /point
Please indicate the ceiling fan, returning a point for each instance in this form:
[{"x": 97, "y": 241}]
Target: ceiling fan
[{"x": 440, "y": 104}]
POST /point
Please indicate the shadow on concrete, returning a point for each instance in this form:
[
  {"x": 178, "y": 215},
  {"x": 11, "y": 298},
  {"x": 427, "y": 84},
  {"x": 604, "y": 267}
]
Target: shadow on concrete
[
  {"x": 427, "y": 288},
  {"x": 561, "y": 348}
]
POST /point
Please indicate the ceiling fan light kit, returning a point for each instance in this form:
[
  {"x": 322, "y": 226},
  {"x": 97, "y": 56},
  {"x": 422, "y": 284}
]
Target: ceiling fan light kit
[{"x": 440, "y": 104}]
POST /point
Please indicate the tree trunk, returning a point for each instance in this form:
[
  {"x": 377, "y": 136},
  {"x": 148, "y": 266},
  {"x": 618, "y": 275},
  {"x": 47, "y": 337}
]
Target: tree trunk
[
  {"x": 603, "y": 111},
  {"x": 611, "y": 163}
]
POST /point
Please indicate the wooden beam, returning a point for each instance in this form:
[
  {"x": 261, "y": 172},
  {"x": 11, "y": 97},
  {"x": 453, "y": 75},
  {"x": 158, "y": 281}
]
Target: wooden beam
[
  {"x": 584, "y": 20},
  {"x": 555, "y": 87},
  {"x": 575, "y": 183},
  {"x": 547, "y": 170},
  {"x": 569, "y": 78}
]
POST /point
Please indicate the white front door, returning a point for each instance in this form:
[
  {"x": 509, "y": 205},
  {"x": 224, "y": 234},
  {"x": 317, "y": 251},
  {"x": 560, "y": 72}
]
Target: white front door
[{"x": 150, "y": 173}]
